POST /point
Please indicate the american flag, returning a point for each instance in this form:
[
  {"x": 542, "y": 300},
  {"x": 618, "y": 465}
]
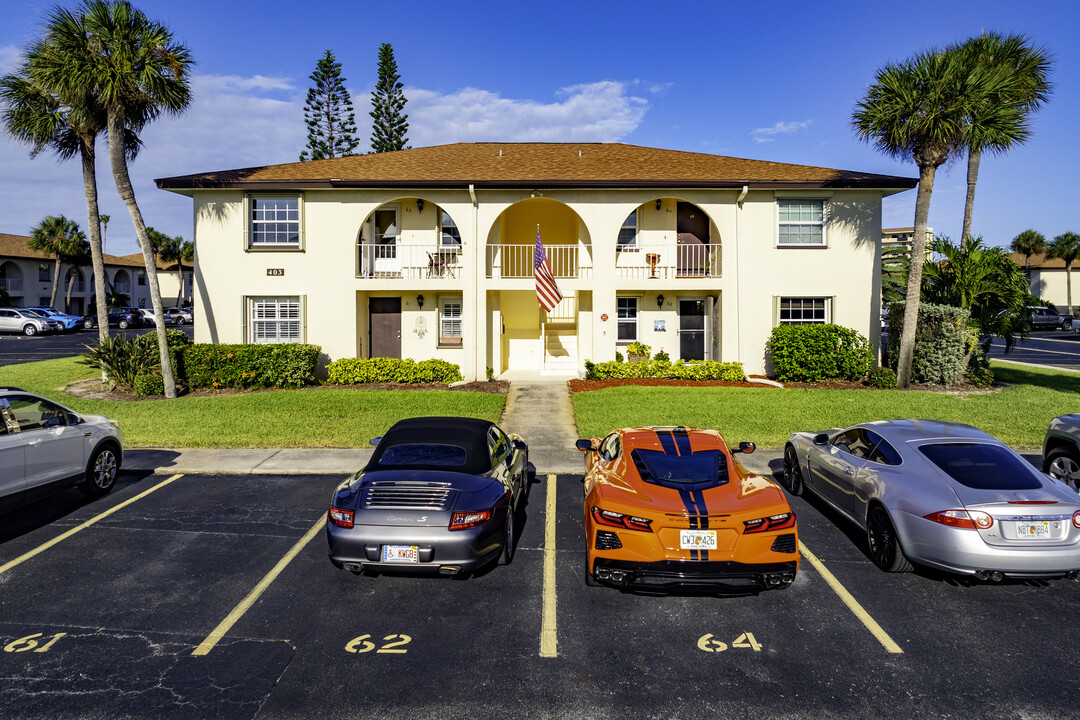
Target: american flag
[{"x": 547, "y": 292}]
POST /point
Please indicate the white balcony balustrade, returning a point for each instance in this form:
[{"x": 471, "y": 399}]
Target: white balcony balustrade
[
  {"x": 508, "y": 261},
  {"x": 668, "y": 261},
  {"x": 409, "y": 262}
]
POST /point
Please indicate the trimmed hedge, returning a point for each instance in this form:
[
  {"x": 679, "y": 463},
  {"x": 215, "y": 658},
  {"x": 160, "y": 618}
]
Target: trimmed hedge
[
  {"x": 940, "y": 351},
  {"x": 809, "y": 353},
  {"x": 283, "y": 365},
  {"x": 361, "y": 371},
  {"x": 680, "y": 370}
]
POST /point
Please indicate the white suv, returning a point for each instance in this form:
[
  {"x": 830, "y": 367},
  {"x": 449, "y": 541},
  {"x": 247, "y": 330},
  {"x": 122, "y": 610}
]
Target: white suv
[
  {"x": 45, "y": 447},
  {"x": 26, "y": 322}
]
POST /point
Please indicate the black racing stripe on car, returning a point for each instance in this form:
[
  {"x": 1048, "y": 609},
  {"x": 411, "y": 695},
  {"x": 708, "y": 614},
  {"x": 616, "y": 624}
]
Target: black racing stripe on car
[
  {"x": 667, "y": 441},
  {"x": 688, "y": 501},
  {"x": 682, "y": 440},
  {"x": 703, "y": 515}
]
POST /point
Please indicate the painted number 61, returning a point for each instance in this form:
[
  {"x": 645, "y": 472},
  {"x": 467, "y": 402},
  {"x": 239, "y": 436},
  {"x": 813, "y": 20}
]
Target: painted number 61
[{"x": 29, "y": 643}]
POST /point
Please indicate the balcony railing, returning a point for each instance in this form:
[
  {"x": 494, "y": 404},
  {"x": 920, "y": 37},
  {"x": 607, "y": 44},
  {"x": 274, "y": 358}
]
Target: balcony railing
[
  {"x": 409, "y": 262},
  {"x": 516, "y": 261},
  {"x": 666, "y": 261},
  {"x": 12, "y": 285}
]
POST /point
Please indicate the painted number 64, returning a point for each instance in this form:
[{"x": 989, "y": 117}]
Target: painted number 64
[{"x": 709, "y": 643}]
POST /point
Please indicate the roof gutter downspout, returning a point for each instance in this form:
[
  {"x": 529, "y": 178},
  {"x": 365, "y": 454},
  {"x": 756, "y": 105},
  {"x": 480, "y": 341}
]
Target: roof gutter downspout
[
  {"x": 477, "y": 263},
  {"x": 738, "y": 273}
]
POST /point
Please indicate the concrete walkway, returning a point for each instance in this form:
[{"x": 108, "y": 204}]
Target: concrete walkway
[{"x": 539, "y": 411}]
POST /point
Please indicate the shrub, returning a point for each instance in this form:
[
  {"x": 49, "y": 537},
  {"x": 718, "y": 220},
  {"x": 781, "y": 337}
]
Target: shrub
[
  {"x": 149, "y": 382},
  {"x": 619, "y": 357},
  {"x": 638, "y": 350},
  {"x": 809, "y": 353},
  {"x": 940, "y": 343},
  {"x": 362, "y": 371},
  {"x": 491, "y": 374},
  {"x": 281, "y": 365},
  {"x": 881, "y": 377},
  {"x": 662, "y": 356},
  {"x": 981, "y": 376},
  {"x": 681, "y": 370},
  {"x": 121, "y": 359}
]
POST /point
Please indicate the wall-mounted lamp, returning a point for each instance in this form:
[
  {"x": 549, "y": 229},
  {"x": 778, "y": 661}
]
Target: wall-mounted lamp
[
  {"x": 658, "y": 201},
  {"x": 420, "y": 301},
  {"x": 420, "y": 205},
  {"x": 537, "y": 194},
  {"x": 659, "y": 301}
]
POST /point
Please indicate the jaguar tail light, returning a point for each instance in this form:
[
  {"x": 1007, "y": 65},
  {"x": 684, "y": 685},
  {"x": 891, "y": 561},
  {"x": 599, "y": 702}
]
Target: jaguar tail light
[
  {"x": 341, "y": 517},
  {"x": 619, "y": 520},
  {"x": 773, "y": 522},
  {"x": 466, "y": 520},
  {"x": 1076, "y": 519},
  {"x": 966, "y": 519}
]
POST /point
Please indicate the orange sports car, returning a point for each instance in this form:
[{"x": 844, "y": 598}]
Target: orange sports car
[{"x": 669, "y": 508}]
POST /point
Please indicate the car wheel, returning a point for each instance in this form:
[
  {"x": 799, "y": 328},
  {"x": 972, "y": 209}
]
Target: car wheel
[
  {"x": 507, "y": 555},
  {"x": 885, "y": 548},
  {"x": 1066, "y": 324},
  {"x": 29, "y": 331},
  {"x": 526, "y": 478},
  {"x": 88, "y": 324},
  {"x": 123, "y": 324},
  {"x": 1063, "y": 463},
  {"x": 792, "y": 474},
  {"x": 590, "y": 581},
  {"x": 101, "y": 471}
]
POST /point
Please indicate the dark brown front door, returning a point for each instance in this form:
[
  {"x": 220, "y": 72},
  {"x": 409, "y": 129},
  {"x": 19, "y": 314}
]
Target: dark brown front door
[
  {"x": 385, "y": 338},
  {"x": 692, "y": 236}
]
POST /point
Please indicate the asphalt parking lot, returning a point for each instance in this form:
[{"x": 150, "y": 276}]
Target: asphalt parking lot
[
  {"x": 202, "y": 596},
  {"x": 16, "y": 348}
]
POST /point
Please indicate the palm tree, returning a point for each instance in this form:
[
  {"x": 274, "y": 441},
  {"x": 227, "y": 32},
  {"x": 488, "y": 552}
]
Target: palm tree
[
  {"x": 77, "y": 260},
  {"x": 1065, "y": 247},
  {"x": 136, "y": 71},
  {"x": 104, "y": 226},
  {"x": 1028, "y": 243},
  {"x": 914, "y": 110},
  {"x": 45, "y": 111},
  {"x": 58, "y": 237},
  {"x": 176, "y": 250},
  {"x": 998, "y": 118}
]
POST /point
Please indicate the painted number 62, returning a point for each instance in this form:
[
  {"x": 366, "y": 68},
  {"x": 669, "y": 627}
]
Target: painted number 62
[{"x": 362, "y": 644}]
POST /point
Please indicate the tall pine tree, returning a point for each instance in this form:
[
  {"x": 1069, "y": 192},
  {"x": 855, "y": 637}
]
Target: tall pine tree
[
  {"x": 328, "y": 113},
  {"x": 390, "y": 126}
]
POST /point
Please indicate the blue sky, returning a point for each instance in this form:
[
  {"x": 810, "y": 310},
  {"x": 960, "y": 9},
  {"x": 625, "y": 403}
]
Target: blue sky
[{"x": 770, "y": 81}]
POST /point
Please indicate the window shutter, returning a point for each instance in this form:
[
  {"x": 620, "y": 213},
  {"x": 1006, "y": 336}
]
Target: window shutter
[
  {"x": 303, "y": 310},
  {"x": 775, "y": 310},
  {"x": 245, "y": 211},
  {"x": 245, "y": 311},
  {"x": 300, "y": 207}
]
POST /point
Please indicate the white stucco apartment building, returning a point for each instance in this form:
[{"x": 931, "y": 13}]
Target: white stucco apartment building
[{"x": 428, "y": 253}]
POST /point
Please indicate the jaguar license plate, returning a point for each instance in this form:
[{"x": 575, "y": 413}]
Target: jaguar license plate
[
  {"x": 1033, "y": 530},
  {"x": 697, "y": 539},
  {"x": 400, "y": 554}
]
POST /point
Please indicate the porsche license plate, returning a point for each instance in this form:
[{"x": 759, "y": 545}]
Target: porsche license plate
[
  {"x": 697, "y": 539},
  {"x": 400, "y": 554},
  {"x": 1032, "y": 530}
]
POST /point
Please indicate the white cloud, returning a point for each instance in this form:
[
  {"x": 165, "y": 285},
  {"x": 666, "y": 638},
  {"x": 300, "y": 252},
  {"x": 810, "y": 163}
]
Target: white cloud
[
  {"x": 236, "y": 122},
  {"x": 9, "y": 58},
  {"x": 762, "y": 135}
]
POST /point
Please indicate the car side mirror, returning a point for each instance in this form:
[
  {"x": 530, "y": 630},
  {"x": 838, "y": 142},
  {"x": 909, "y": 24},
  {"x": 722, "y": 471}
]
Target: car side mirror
[
  {"x": 73, "y": 419},
  {"x": 745, "y": 447},
  {"x": 376, "y": 440},
  {"x": 520, "y": 445},
  {"x": 821, "y": 439},
  {"x": 584, "y": 445}
]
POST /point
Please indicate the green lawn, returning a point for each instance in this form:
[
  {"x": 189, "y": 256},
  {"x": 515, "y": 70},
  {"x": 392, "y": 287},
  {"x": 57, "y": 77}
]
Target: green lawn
[
  {"x": 324, "y": 417},
  {"x": 1018, "y": 415}
]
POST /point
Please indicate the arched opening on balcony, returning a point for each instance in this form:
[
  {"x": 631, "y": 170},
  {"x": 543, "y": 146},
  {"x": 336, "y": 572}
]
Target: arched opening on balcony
[
  {"x": 11, "y": 279},
  {"x": 666, "y": 238},
  {"x": 410, "y": 238}
]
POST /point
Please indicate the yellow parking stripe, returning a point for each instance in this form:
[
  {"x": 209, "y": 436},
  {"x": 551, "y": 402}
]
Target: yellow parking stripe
[
  {"x": 548, "y": 636},
  {"x": 225, "y": 625},
  {"x": 851, "y": 602},
  {"x": 60, "y": 538}
]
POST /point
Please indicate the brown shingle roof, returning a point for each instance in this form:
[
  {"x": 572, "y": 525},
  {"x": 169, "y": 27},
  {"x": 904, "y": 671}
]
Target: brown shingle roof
[
  {"x": 536, "y": 165},
  {"x": 18, "y": 246},
  {"x": 1039, "y": 262}
]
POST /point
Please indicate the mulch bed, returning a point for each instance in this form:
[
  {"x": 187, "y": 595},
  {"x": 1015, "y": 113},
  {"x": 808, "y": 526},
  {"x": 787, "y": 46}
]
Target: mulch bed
[
  {"x": 96, "y": 390},
  {"x": 578, "y": 386}
]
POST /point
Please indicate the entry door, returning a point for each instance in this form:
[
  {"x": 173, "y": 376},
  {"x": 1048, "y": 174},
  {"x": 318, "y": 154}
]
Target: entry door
[
  {"x": 692, "y": 329},
  {"x": 692, "y": 237},
  {"x": 385, "y": 337}
]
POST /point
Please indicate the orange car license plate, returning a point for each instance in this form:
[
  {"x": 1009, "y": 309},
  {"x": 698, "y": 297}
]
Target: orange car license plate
[{"x": 697, "y": 539}]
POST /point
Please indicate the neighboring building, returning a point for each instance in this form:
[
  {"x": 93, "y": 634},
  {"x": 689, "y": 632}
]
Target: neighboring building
[
  {"x": 902, "y": 237},
  {"x": 429, "y": 252},
  {"x": 27, "y": 277},
  {"x": 1047, "y": 279}
]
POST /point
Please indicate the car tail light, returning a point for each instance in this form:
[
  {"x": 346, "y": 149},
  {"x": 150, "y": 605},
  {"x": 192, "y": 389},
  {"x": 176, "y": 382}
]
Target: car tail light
[
  {"x": 966, "y": 519},
  {"x": 341, "y": 517},
  {"x": 773, "y": 522},
  {"x": 466, "y": 520},
  {"x": 1076, "y": 519},
  {"x": 627, "y": 522}
]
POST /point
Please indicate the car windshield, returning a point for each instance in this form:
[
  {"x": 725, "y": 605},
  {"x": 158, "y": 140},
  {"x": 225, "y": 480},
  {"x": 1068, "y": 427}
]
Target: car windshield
[
  {"x": 981, "y": 466},
  {"x": 705, "y": 467},
  {"x": 433, "y": 455}
]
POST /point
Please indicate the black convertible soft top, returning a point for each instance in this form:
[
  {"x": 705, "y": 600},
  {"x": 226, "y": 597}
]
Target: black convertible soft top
[{"x": 467, "y": 433}]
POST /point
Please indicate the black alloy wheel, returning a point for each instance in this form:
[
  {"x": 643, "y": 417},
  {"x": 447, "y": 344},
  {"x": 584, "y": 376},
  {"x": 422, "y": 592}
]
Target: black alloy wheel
[
  {"x": 507, "y": 555},
  {"x": 885, "y": 548},
  {"x": 792, "y": 473}
]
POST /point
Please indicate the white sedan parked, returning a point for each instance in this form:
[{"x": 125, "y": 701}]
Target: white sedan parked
[{"x": 46, "y": 447}]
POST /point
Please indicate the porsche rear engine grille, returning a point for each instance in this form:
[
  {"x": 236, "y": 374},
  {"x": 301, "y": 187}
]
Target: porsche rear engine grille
[
  {"x": 784, "y": 544},
  {"x": 404, "y": 495}
]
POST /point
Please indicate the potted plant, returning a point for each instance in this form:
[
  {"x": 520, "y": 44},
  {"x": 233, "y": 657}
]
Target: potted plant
[{"x": 638, "y": 351}]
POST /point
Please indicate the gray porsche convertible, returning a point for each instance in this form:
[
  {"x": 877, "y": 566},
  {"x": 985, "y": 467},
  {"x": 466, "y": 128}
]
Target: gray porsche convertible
[
  {"x": 440, "y": 494},
  {"x": 941, "y": 494}
]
